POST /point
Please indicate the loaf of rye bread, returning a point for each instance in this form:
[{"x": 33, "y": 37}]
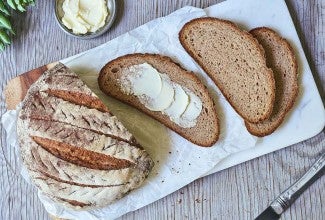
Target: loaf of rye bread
[
  {"x": 204, "y": 133},
  {"x": 75, "y": 150},
  {"x": 281, "y": 59},
  {"x": 235, "y": 61}
]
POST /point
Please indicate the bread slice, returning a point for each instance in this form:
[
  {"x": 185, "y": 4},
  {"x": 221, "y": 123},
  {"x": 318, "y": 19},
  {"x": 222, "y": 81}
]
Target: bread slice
[
  {"x": 204, "y": 133},
  {"x": 75, "y": 150},
  {"x": 281, "y": 58},
  {"x": 235, "y": 62}
]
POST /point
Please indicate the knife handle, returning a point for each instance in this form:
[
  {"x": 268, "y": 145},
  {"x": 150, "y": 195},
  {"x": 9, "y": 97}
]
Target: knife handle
[{"x": 286, "y": 198}]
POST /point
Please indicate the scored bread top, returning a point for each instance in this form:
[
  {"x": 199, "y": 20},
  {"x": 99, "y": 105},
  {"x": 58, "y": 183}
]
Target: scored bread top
[
  {"x": 75, "y": 150},
  {"x": 235, "y": 62},
  {"x": 281, "y": 58},
  {"x": 204, "y": 133}
]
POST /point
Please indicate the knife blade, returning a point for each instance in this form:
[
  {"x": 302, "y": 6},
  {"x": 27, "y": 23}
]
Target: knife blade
[
  {"x": 286, "y": 198},
  {"x": 268, "y": 214}
]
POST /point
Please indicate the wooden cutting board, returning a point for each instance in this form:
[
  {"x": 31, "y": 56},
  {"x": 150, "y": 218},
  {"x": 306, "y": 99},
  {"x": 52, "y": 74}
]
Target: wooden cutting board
[{"x": 16, "y": 89}]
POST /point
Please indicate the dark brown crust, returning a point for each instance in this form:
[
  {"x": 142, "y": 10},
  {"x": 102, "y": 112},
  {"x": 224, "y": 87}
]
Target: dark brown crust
[
  {"x": 247, "y": 34},
  {"x": 132, "y": 142},
  {"x": 79, "y": 98},
  {"x": 295, "y": 90},
  {"x": 159, "y": 116},
  {"x": 80, "y": 156},
  {"x": 73, "y": 202}
]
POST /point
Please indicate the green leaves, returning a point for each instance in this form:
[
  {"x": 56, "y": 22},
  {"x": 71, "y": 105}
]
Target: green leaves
[
  {"x": 2, "y": 46},
  {"x": 4, "y": 37},
  {"x": 5, "y": 28},
  {"x": 4, "y": 21},
  {"x": 20, "y": 4},
  {"x": 5, "y": 25},
  {"x": 12, "y": 4},
  {"x": 3, "y": 8}
]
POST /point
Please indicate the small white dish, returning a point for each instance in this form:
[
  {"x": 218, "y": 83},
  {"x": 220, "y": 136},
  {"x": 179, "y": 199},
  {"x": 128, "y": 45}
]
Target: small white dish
[{"x": 111, "y": 5}]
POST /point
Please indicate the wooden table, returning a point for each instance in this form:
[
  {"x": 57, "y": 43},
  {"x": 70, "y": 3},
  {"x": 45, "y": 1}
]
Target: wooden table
[{"x": 240, "y": 192}]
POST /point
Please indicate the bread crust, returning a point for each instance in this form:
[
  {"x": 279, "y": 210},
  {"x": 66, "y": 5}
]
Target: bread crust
[
  {"x": 220, "y": 86},
  {"x": 184, "y": 132},
  {"x": 294, "y": 90},
  {"x": 77, "y": 152}
]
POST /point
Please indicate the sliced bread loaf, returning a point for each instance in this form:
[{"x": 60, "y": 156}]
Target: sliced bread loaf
[
  {"x": 235, "y": 62},
  {"x": 280, "y": 57},
  {"x": 206, "y": 130}
]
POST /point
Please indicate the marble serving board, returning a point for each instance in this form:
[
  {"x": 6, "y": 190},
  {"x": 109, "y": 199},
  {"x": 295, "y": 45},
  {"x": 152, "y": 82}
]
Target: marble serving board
[{"x": 308, "y": 115}]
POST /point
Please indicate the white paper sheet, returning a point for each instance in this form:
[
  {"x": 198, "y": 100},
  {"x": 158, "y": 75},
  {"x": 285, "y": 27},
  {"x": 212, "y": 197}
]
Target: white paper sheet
[{"x": 177, "y": 161}]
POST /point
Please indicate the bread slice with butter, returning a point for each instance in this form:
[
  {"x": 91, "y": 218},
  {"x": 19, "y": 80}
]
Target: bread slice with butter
[
  {"x": 281, "y": 58},
  {"x": 235, "y": 61},
  {"x": 162, "y": 89}
]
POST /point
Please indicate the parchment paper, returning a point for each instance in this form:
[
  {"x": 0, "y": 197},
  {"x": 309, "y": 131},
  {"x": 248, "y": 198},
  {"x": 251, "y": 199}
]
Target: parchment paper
[{"x": 177, "y": 161}]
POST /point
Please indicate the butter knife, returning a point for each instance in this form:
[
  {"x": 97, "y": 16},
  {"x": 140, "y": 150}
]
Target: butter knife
[{"x": 286, "y": 198}]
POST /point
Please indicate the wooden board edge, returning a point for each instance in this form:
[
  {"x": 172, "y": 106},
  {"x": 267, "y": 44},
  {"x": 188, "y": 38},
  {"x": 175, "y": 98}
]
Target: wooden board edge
[{"x": 16, "y": 88}]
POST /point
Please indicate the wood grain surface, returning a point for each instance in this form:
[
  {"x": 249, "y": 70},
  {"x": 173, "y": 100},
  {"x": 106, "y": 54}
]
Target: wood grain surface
[
  {"x": 240, "y": 192},
  {"x": 16, "y": 88}
]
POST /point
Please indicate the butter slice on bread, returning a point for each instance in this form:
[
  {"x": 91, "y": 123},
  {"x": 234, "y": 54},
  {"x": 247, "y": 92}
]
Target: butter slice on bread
[
  {"x": 206, "y": 130},
  {"x": 280, "y": 57},
  {"x": 235, "y": 61}
]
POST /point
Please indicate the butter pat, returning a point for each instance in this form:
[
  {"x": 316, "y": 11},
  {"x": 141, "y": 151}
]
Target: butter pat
[
  {"x": 157, "y": 92},
  {"x": 144, "y": 73},
  {"x": 179, "y": 105},
  {"x": 164, "y": 99},
  {"x": 192, "y": 111},
  {"x": 83, "y": 16}
]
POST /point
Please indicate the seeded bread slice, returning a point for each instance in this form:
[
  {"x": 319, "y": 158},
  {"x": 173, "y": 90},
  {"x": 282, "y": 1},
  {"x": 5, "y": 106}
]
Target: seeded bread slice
[
  {"x": 235, "y": 62},
  {"x": 204, "y": 133},
  {"x": 280, "y": 57}
]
